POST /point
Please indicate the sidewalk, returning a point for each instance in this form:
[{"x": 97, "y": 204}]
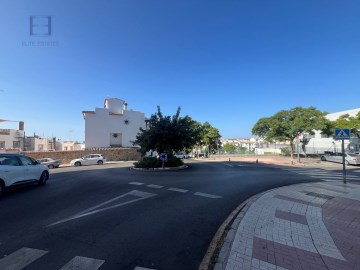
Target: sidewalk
[{"x": 305, "y": 226}]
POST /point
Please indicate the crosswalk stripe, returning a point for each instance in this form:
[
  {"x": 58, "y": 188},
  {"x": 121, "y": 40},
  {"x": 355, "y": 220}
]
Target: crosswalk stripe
[
  {"x": 178, "y": 190},
  {"x": 83, "y": 263},
  {"x": 207, "y": 195},
  {"x": 21, "y": 258}
]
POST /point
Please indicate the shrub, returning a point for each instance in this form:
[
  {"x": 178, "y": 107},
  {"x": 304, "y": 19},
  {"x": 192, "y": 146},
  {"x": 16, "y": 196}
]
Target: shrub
[
  {"x": 285, "y": 151},
  {"x": 153, "y": 162}
]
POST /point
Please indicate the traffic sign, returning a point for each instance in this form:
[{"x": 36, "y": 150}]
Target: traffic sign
[
  {"x": 342, "y": 134},
  {"x": 163, "y": 156}
]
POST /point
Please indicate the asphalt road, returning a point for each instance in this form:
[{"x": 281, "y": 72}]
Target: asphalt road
[{"x": 122, "y": 219}]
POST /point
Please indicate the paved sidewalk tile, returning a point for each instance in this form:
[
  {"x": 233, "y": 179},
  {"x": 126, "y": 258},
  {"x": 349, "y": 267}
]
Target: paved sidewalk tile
[{"x": 305, "y": 226}]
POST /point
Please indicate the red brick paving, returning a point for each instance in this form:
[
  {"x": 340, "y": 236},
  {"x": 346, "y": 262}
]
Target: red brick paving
[
  {"x": 342, "y": 219},
  {"x": 287, "y": 198},
  {"x": 293, "y": 258}
]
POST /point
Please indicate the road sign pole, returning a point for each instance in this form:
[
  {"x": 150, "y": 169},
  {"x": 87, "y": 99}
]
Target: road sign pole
[{"x": 343, "y": 160}]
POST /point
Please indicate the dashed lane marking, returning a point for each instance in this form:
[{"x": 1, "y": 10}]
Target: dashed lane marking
[
  {"x": 207, "y": 195},
  {"x": 97, "y": 208},
  {"x": 21, "y": 258},
  {"x": 83, "y": 263},
  {"x": 178, "y": 190},
  {"x": 154, "y": 186},
  {"x": 136, "y": 183}
]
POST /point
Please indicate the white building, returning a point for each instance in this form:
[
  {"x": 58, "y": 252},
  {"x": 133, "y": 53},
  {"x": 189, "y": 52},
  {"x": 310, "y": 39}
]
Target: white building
[
  {"x": 112, "y": 126},
  {"x": 36, "y": 143},
  {"x": 69, "y": 146},
  {"x": 319, "y": 143},
  {"x": 12, "y": 139}
]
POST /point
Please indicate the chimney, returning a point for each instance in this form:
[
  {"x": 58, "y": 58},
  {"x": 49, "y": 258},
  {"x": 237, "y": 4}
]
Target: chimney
[{"x": 21, "y": 125}]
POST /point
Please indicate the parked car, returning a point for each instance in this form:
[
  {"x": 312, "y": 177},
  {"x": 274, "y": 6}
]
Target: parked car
[
  {"x": 91, "y": 159},
  {"x": 50, "y": 162},
  {"x": 181, "y": 155},
  {"x": 350, "y": 159},
  {"x": 16, "y": 169}
]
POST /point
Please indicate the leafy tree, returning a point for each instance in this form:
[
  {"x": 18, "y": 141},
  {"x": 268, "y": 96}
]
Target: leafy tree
[
  {"x": 168, "y": 134},
  {"x": 210, "y": 136},
  {"x": 229, "y": 147},
  {"x": 347, "y": 121},
  {"x": 289, "y": 124}
]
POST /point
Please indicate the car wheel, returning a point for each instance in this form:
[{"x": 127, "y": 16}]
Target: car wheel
[
  {"x": 323, "y": 158},
  {"x": 77, "y": 163},
  {"x": 43, "y": 178},
  {"x": 2, "y": 188},
  {"x": 100, "y": 162},
  {"x": 51, "y": 166}
]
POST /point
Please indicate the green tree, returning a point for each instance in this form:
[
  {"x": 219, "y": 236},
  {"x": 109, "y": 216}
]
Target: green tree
[
  {"x": 287, "y": 125},
  {"x": 210, "y": 137},
  {"x": 347, "y": 121},
  {"x": 168, "y": 134},
  {"x": 229, "y": 147}
]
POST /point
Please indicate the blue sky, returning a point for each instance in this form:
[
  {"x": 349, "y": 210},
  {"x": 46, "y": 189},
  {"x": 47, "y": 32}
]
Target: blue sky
[{"x": 228, "y": 62}]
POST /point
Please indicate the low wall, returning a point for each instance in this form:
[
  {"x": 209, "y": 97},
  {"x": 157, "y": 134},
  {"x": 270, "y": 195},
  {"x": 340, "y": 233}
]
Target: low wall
[{"x": 111, "y": 154}]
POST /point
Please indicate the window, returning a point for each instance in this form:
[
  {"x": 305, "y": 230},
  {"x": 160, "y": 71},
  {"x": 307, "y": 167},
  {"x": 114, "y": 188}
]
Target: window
[
  {"x": 16, "y": 144},
  {"x": 40, "y": 147},
  {"x": 26, "y": 161},
  {"x": 2, "y": 145},
  {"x": 9, "y": 161}
]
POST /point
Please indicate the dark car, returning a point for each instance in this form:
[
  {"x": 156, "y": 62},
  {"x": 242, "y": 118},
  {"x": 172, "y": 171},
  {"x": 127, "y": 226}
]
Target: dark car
[{"x": 50, "y": 162}]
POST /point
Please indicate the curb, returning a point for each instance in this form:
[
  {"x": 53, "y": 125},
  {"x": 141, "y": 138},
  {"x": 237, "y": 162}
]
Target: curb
[
  {"x": 216, "y": 255},
  {"x": 220, "y": 235},
  {"x": 160, "y": 169}
]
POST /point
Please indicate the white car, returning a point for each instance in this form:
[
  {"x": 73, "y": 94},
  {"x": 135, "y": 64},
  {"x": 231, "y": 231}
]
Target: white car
[
  {"x": 16, "y": 169},
  {"x": 181, "y": 155},
  {"x": 350, "y": 159},
  {"x": 91, "y": 159}
]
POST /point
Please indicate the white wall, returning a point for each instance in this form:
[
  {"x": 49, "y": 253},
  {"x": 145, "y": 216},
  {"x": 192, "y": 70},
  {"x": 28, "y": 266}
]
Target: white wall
[
  {"x": 99, "y": 126},
  {"x": 10, "y": 135}
]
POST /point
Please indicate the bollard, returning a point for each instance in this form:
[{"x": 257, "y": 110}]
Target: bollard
[
  {"x": 257, "y": 161},
  {"x": 229, "y": 159}
]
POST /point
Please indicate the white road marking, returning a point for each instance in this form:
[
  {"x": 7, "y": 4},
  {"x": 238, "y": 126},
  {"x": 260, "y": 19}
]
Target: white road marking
[
  {"x": 142, "y": 268},
  {"x": 239, "y": 165},
  {"x": 178, "y": 190},
  {"x": 21, "y": 258},
  {"x": 83, "y": 263},
  {"x": 229, "y": 165},
  {"x": 90, "y": 211},
  {"x": 136, "y": 183},
  {"x": 154, "y": 186},
  {"x": 207, "y": 195}
]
